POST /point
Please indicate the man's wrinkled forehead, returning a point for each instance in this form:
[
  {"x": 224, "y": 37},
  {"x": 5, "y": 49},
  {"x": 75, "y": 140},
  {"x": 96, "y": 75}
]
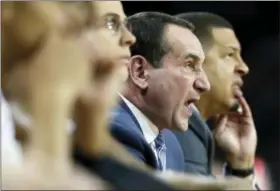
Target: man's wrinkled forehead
[
  {"x": 103, "y": 8},
  {"x": 183, "y": 42},
  {"x": 225, "y": 37}
]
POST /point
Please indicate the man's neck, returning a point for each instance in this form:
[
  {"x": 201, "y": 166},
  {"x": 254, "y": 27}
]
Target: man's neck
[
  {"x": 206, "y": 108},
  {"x": 135, "y": 99},
  {"x": 138, "y": 102}
]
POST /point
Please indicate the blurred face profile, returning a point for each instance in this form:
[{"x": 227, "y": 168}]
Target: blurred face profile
[
  {"x": 97, "y": 27},
  {"x": 110, "y": 36},
  {"x": 225, "y": 68},
  {"x": 28, "y": 28},
  {"x": 179, "y": 82}
]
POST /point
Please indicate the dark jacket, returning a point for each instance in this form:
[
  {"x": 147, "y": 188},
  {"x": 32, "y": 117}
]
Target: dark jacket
[
  {"x": 197, "y": 144},
  {"x": 126, "y": 129}
]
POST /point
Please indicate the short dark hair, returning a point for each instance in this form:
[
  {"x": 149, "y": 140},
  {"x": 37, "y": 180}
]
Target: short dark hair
[
  {"x": 204, "y": 22},
  {"x": 148, "y": 28}
]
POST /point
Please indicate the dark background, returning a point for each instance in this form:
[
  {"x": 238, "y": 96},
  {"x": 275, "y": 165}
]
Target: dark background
[{"x": 257, "y": 27}]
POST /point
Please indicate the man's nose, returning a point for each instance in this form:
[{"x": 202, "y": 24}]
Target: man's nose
[{"x": 202, "y": 83}]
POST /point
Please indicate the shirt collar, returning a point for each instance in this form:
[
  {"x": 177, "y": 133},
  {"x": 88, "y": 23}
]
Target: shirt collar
[{"x": 144, "y": 122}]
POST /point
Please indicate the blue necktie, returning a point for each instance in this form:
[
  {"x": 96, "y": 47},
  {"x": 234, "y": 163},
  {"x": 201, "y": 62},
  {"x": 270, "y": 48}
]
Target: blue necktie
[{"x": 161, "y": 151}]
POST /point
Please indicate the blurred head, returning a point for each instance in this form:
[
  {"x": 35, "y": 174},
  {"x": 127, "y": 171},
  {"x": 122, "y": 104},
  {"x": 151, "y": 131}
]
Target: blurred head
[
  {"x": 97, "y": 27},
  {"x": 223, "y": 63},
  {"x": 27, "y": 30},
  {"x": 110, "y": 36},
  {"x": 165, "y": 71}
]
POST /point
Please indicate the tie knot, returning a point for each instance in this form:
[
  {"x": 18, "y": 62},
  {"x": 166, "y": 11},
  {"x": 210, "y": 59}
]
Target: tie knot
[{"x": 160, "y": 140}]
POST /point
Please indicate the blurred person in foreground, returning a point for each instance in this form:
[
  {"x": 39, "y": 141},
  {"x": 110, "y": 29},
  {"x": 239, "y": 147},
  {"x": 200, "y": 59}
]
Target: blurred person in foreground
[
  {"x": 39, "y": 41},
  {"x": 234, "y": 130}
]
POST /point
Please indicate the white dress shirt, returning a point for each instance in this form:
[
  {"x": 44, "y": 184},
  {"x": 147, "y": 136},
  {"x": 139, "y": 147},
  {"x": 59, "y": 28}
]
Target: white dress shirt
[{"x": 10, "y": 149}]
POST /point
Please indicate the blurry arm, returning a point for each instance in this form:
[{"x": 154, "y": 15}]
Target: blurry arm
[{"x": 178, "y": 181}]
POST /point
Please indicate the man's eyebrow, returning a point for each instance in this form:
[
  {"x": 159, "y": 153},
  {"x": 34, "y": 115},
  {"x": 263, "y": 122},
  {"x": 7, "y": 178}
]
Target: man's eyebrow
[
  {"x": 233, "y": 47},
  {"x": 117, "y": 16},
  {"x": 192, "y": 55},
  {"x": 112, "y": 15}
]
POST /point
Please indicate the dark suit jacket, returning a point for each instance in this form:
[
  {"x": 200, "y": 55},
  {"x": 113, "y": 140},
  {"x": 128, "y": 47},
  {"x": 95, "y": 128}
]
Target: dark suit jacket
[
  {"x": 126, "y": 129},
  {"x": 197, "y": 145}
]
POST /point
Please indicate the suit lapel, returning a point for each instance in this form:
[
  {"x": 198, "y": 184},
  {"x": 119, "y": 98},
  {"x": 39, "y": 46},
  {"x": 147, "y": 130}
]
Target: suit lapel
[
  {"x": 151, "y": 160},
  {"x": 126, "y": 109},
  {"x": 211, "y": 149},
  {"x": 199, "y": 126}
]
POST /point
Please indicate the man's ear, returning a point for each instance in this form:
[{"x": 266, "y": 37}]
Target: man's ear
[{"x": 138, "y": 71}]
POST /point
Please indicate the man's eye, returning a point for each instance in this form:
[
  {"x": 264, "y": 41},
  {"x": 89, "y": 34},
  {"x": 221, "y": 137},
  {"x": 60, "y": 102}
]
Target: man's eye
[
  {"x": 231, "y": 54},
  {"x": 113, "y": 24},
  {"x": 190, "y": 65}
]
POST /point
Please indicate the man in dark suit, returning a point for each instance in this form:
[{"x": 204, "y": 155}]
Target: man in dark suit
[
  {"x": 197, "y": 145},
  {"x": 165, "y": 77},
  {"x": 234, "y": 129},
  {"x": 127, "y": 130}
]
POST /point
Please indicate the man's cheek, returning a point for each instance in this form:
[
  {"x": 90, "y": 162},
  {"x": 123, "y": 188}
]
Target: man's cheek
[{"x": 188, "y": 81}]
